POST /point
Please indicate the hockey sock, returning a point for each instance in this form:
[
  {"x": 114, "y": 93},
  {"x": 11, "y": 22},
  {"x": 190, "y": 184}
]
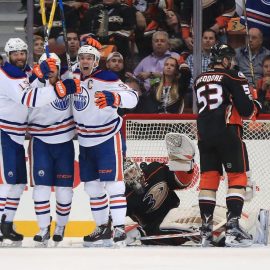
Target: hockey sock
[
  {"x": 63, "y": 204},
  {"x": 12, "y": 201},
  {"x": 235, "y": 201},
  {"x": 100, "y": 209},
  {"x": 41, "y": 197},
  {"x": 118, "y": 203},
  {"x": 207, "y": 204},
  {"x": 42, "y": 209},
  {"x": 98, "y": 201},
  {"x": 4, "y": 190}
]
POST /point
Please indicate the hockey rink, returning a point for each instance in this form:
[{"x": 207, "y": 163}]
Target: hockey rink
[{"x": 135, "y": 258}]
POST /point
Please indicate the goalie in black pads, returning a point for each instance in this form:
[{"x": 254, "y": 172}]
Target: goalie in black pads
[
  {"x": 150, "y": 191},
  {"x": 223, "y": 98}
]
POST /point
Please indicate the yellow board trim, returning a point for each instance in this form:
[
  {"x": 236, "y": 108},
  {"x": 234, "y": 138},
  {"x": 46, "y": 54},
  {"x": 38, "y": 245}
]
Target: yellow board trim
[{"x": 73, "y": 228}]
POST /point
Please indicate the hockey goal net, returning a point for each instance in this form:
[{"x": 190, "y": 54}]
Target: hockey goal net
[{"x": 145, "y": 142}]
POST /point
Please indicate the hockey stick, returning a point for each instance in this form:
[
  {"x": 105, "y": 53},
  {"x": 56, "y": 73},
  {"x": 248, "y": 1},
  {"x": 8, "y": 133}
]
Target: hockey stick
[
  {"x": 60, "y": 2},
  {"x": 251, "y": 67},
  {"x": 47, "y": 27}
]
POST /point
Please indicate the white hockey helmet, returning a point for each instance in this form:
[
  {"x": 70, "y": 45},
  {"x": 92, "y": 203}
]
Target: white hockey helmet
[
  {"x": 15, "y": 44},
  {"x": 87, "y": 49},
  {"x": 43, "y": 57}
]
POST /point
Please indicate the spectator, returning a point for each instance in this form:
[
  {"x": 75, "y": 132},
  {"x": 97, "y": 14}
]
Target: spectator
[
  {"x": 168, "y": 93},
  {"x": 115, "y": 63},
  {"x": 170, "y": 22},
  {"x": 257, "y": 17},
  {"x": 110, "y": 23},
  {"x": 263, "y": 86},
  {"x": 38, "y": 48},
  {"x": 151, "y": 66},
  {"x": 208, "y": 40},
  {"x": 216, "y": 15},
  {"x": 73, "y": 47},
  {"x": 258, "y": 54}
]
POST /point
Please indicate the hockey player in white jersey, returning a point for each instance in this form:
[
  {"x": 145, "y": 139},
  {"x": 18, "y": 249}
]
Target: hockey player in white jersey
[
  {"x": 51, "y": 153},
  {"x": 16, "y": 95},
  {"x": 101, "y": 149}
]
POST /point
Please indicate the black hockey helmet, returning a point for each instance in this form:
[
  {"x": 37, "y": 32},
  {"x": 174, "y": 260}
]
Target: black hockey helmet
[{"x": 219, "y": 51}]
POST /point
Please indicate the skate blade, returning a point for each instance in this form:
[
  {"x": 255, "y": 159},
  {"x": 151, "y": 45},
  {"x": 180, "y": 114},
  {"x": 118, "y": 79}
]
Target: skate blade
[
  {"x": 234, "y": 243},
  {"x": 10, "y": 243},
  {"x": 120, "y": 244},
  {"x": 42, "y": 244},
  {"x": 99, "y": 243}
]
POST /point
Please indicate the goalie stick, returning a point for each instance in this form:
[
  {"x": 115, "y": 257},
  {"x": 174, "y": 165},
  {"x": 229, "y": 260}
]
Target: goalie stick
[{"x": 175, "y": 235}]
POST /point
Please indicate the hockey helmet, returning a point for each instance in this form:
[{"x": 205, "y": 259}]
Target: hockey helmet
[
  {"x": 15, "y": 44},
  {"x": 87, "y": 49},
  {"x": 133, "y": 175},
  {"x": 220, "y": 51},
  {"x": 43, "y": 57}
]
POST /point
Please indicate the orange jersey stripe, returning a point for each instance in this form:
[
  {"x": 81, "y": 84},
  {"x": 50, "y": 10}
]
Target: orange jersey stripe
[
  {"x": 95, "y": 131},
  {"x": 52, "y": 128},
  {"x": 120, "y": 175}
]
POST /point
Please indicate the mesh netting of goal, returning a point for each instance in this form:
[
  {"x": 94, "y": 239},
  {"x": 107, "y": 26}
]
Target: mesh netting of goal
[{"x": 145, "y": 142}]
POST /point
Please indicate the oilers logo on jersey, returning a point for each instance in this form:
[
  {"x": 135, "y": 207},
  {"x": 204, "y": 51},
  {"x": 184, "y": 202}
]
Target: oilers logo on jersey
[
  {"x": 81, "y": 100},
  {"x": 61, "y": 104},
  {"x": 267, "y": 2}
]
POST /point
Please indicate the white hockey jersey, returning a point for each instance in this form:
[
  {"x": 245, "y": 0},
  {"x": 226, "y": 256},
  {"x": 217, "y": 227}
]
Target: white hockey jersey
[
  {"x": 16, "y": 95},
  {"x": 52, "y": 123},
  {"x": 95, "y": 125}
]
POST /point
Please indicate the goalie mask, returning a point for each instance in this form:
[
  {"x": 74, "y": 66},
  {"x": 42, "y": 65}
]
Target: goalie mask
[{"x": 133, "y": 176}]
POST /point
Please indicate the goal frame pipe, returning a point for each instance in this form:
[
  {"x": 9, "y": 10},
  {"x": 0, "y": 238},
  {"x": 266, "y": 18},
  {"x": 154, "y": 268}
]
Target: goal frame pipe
[{"x": 165, "y": 116}]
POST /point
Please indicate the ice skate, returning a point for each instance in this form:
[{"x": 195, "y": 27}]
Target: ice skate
[
  {"x": 58, "y": 235},
  {"x": 100, "y": 237},
  {"x": 206, "y": 235},
  {"x": 42, "y": 238},
  {"x": 9, "y": 236},
  {"x": 119, "y": 236},
  {"x": 236, "y": 236}
]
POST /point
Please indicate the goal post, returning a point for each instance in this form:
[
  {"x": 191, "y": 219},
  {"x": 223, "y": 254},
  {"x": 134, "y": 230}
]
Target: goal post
[{"x": 145, "y": 133}]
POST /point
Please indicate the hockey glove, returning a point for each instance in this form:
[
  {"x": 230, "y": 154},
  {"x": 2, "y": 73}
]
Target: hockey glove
[
  {"x": 106, "y": 98},
  {"x": 43, "y": 70},
  {"x": 67, "y": 87},
  {"x": 94, "y": 43}
]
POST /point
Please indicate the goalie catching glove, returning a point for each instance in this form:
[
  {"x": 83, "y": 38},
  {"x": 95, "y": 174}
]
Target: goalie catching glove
[
  {"x": 67, "y": 87},
  {"x": 106, "y": 98},
  {"x": 43, "y": 70},
  {"x": 181, "y": 152}
]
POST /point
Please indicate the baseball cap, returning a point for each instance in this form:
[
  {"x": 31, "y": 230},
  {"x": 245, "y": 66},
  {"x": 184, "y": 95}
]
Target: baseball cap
[{"x": 114, "y": 54}]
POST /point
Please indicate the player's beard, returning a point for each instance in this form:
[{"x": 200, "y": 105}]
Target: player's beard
[{"x": 19, "y": 63}]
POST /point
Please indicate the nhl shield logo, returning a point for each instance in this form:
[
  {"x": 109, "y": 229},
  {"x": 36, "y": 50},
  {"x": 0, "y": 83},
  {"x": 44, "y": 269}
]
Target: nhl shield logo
[{"x": 81, "y": 100}]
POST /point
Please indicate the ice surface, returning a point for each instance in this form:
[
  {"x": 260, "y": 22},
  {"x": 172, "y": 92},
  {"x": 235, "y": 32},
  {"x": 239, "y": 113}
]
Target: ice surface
[{"x": 71, "y": 255}]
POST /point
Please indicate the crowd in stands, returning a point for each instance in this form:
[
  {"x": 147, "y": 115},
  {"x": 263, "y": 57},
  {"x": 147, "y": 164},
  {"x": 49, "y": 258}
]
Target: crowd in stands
[{"x": 149, "y": 43}]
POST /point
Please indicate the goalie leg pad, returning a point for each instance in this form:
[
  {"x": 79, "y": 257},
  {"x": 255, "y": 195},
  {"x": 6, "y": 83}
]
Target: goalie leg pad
[
  {"x": 181, "y": 151},
  {"x": 262, "y": 228}
]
